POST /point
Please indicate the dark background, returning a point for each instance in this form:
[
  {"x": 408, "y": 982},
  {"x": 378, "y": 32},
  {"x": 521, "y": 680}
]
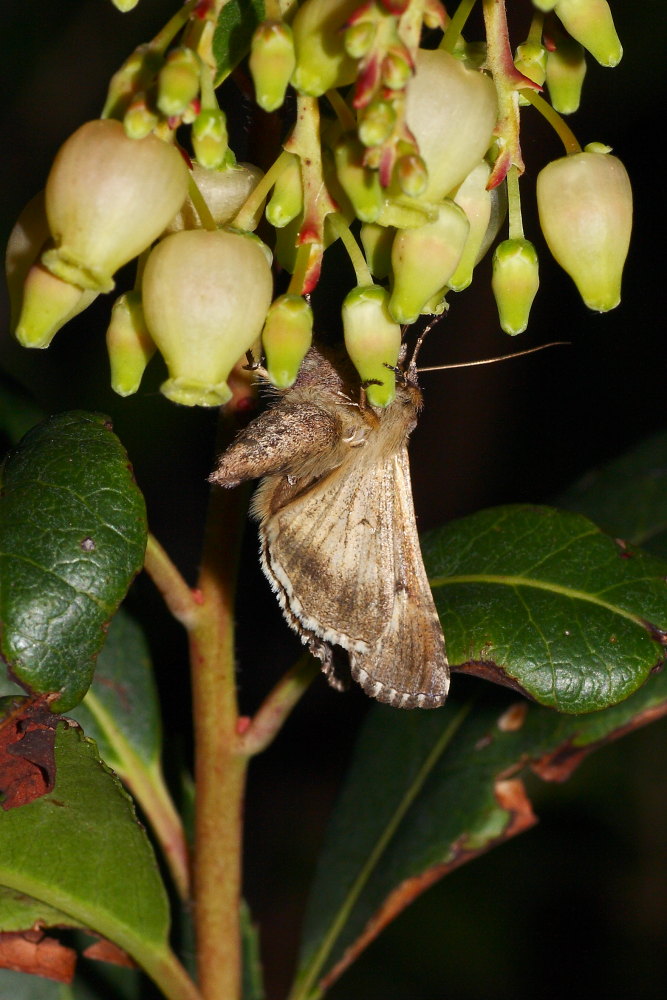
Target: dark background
[{"x": 580, "y": 903}]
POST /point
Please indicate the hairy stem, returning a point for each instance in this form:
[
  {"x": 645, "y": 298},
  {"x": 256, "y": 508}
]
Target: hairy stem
[{"x": 271, "y": 715}]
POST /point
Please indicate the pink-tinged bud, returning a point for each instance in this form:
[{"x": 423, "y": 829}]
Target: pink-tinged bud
[
  {"x": 475, "y": 201},
  {"x": 205, "y": 296},
  {"x": 515, "y": 282},
  {"x": 48, "y": 303},
  {"x": 139, "y": 120},
  {"x": 178, "y": 82},
  {"x": 286, "y": 202},
  {"x": 373, "y": 341},
  {"x": 360, "y": 183},
  {"x": 376, "y": 241},
  {"x": 590, "y": 22},
  {"x": 286, "y": 338},
  {"x": 451, "y": 111},
  {"x": 359, "y": 38},
  {"x": 531, "y": 60},
  {"x": 24, "y": 245},
  {"x": 224, "y": 192},
  {"x": 322, "y": 62},
  {"x": 412, "y": 175},
  {"x": 585, "y": 206},
  {"x": 424, "y": 259},
  {"x": 209, "y": 138},
  {"x": 272, "y": 61},
  {"x": 107, "y": 198},
  {"x": 566, "y": 69},
  {"x": 396, "y": 70},
  {"x": 129, "y": 344}
]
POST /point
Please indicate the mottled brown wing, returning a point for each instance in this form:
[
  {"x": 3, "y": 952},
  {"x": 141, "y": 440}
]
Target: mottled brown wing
[{"x": 345, "y": 561}]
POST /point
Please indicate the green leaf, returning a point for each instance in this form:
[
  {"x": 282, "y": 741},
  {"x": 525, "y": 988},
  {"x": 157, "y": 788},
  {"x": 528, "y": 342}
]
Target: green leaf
[
  {"x": 121, "y": 711},
  {"x": 428, "y": 791},
  {"x": 18, "y": 911},
  {"x": 81, "y": 850},
  {"x": 543, "y": 601},
  {"x": 72, "y": 536},
  {"x": 19, "y": 986},
  {"x": 236, "y": 25},
  {"x": 252, "y": 986},
  {"x": 628, "y": 496}
]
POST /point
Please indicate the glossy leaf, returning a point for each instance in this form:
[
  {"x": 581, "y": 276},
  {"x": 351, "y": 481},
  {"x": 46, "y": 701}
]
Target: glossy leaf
[
  {"x": 236, "y": 24},
  {"x": 428, "y": 791},
  {"x": 72, "y": 536},
  {"x": 18, "y": 911},
  {"x": 81, "y": 850},
  {"x": 543, "y": 601}
]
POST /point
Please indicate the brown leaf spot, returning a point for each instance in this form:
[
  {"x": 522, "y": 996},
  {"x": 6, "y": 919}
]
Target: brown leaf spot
[
  {"x": 30, "y": 951},
  {"x": 510, "y": 796},
  {"x": 27, "y": 763}
]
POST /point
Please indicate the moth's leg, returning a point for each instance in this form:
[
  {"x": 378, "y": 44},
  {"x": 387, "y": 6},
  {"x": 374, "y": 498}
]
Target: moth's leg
[{"x": 278, "y": 441}]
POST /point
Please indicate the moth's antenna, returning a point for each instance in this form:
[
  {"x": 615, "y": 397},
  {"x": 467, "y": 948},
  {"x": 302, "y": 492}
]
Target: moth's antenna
[
  {"x": 489, "y": 361},
  {"x": 420, "y": 340}
]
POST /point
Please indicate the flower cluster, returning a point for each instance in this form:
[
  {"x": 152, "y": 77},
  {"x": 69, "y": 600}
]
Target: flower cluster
[{"x": 409, "y": 154}]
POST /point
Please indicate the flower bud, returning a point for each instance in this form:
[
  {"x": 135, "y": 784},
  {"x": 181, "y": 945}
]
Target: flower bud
[
  {"x": 360, "y": 183},
  {"x": 209, "y": 138},
  {"x": 205, "y": 297},
  {"x": 322, "y": 62},
  {"x": 272, "y": 61},
  {"x": 585, "y": 207},
  {"x": 124, "y": 5},
  {"x": 107, "y": 198},
  {"x": 590, "y": 22},
  {"x": 566, "y": 69},
  {"x": 515, "y": 282},
  {"x": 139, "y": 120},
  {"x": 129, "y": 344},
  {"x": 475, "y": 201},
  {"x": 376, "y": 241},
  {"x": 359, "y": 38},
  {"x": 376, "y": 123},
  {"x": 453, "y": 134},
  {"x": 372, "y": 340},
  {"x": 544, "y": 5},
  {"x": 412, "y": 175},
  {"x": 531, "y": 60},
  {"x": 286, "y": 337},
  {"x": 424, "y": 259},
  {"x": 224, "y": 192},
  {"x": 178, "y": 82},
  {"x": 396, "y": 70},
  {"x": 25, "y": 242},
  {"x": 48, "y": 303},
  {"x": 286, "y": 202}
]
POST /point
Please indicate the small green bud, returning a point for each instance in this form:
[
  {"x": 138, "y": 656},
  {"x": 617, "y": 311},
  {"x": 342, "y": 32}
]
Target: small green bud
[
  {"x": 473, "y": 197},
  {"x": 376, "y": 241},
  {"x": 129, "y": 344},
  {"x": 412, "y": 175},
  {"x": 515, "y": 282},
  {"x": 544, "y": 5},
  {"x": 319, "y": 40},
  {"x": 566, "y": 69},
  {"x": 124, "y": 5},
  {"x": 372, "y": 340},
  {"x": 178, "y": 81},
  {"x": 359, "y": 38},
  {"x": 139, "y": 120},
  {"x": 590, "y": 22},
  {"x": 424, "y": 259},
  {"x": 376, "y": 123},
  {"x": 531, "y": 60},
  {"x": 585, "y": 206},
  {"x": 360, "y": 183},
  {"x": 286, "y": 338},
  {"x": 48, "y": 303},
  {"x": 134, "y": 76},
  {"x": 209, "y": 138},
  {"x": 107, "y": 199},
  {"x": 396, "y": 70},
  {"x": 286, "y": 202},
  {"x": 272, "y": 61},
  {"x": 205, "y": 297}
]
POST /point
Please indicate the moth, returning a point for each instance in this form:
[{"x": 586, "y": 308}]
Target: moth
[{"x": 338, "y": 537}]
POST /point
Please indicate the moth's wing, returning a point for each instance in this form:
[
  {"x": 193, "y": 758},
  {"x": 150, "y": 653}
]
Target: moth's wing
[
  {"x": 407, "y": 665},
  {"x": 345, "y": 561}
]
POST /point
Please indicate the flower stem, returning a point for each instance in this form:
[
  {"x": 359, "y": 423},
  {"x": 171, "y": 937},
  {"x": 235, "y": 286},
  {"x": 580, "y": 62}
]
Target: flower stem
[
  {"x": 565, "y": 134},
  {"x": 357, "y": 259},
  {"x": 456, "y": 25},
  {"x": 272, "y": 713},
  {"x": 247, "y": 211},
  {"x": 514, "y": 204}
]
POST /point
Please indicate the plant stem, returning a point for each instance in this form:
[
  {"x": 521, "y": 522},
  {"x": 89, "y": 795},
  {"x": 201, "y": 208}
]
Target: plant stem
[
  {"x": 456, "y": 25},
  {"x": 177, "y": 595},
  {"x": 273, "y": 712},
  {"x": 342, "y": 231},
  {"x": 219, "y": 768},
  {"x": 514, "y": 205},
  {"x": 167, "y": 972},
  {"x": 246, "y": 213}
]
